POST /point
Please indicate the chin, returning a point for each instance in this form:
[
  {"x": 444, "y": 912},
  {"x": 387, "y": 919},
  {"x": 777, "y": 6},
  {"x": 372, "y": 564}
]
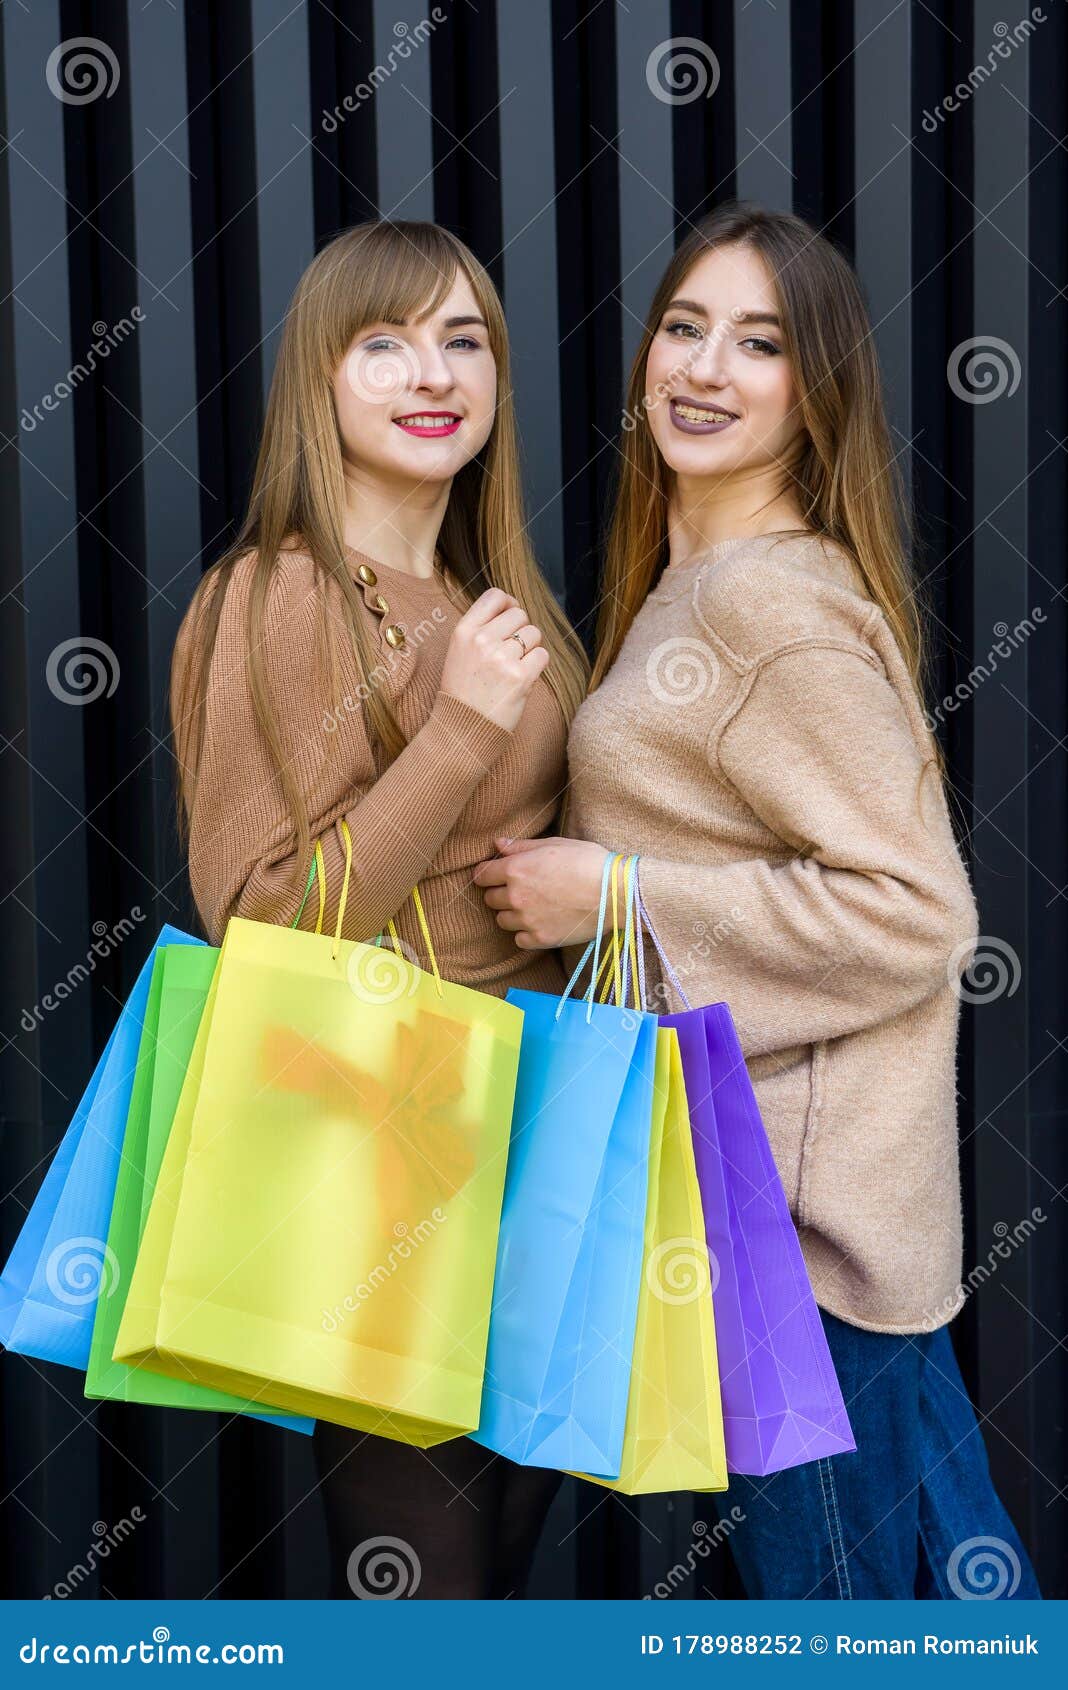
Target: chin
[
  {"x": 701, "y": 457},
  {"x": 429, "y": 466}
]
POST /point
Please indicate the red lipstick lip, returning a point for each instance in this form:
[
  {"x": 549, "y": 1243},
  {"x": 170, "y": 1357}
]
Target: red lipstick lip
[{"x": 435, "y": 431}]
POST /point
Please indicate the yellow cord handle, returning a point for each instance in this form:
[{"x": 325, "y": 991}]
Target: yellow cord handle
[
  {"x": 317, "y": 870},
  {"x": 418, "y": 902},
  {"x": 344, "y": 885},
  {"x": 320, "y": 870},
  {"x": 635, "y": 937},
  {"x": 607, "y": 964},
  {"x": 612, "y": 957}
]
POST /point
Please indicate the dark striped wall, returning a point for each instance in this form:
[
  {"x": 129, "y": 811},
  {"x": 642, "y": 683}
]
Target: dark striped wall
[{"x": 167, "y": 219}]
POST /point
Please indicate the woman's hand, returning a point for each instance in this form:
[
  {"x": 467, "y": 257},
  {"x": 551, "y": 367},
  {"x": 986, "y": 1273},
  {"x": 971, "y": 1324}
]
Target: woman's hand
[
  {"x": 544, "y": 891},
  {"x": 487, "y": 666}
]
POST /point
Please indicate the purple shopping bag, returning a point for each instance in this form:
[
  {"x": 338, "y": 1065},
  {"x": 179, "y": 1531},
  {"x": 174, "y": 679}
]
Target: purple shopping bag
[{"x": 782, "y": 1404}]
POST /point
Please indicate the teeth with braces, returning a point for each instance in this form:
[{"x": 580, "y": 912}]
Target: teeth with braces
[{"x": 690, "y": 413}]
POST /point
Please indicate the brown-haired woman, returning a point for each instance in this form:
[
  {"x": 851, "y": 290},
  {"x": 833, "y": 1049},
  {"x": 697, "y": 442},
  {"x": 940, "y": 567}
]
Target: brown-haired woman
[
  {"x": 377, "y": 646},
  {"x": 756, "y": 734}
]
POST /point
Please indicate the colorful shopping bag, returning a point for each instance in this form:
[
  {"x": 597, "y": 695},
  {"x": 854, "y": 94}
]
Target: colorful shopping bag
[
  {"x": 324, "y": 1225},
  {"x": 565, "y": 1299},
  {"x": 59, "y": 1265},
  {"x": 782, "y": 1404},
  {"x": 674, "y": 1430},
  {"x": 181, "y": 977}
]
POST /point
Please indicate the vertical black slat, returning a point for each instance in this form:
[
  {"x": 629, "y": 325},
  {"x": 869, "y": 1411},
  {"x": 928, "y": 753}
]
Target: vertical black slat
[
  {"x": 763, "y": 104},
  {"x": 944, "y": 60},
  {"x": 1048, "y": 794},
  {"x": 704, "y": 128},
  {"x": 18, "y": 1080},
  {"x": 108, "y": 296},
  {"x": 306, "y": 1565},
  {"x": 940, "y": 299},
  {"x": 942, "y": 477},
  {"x": 686, "y": 1559},
  {"x": 654, "y": 74},
  {"x": 280, "y": 87},
  {"x": 553, "y": 1572},
  {"x": 403, "y": 121},
  {"x": 222, "y": 156},
  {"x": 46, "y": 907},
  {"x": 823, "y": 117},
  {"x": 883, "y": 204},
  {"x": 171, "y": 483},
  {"x": 527, "y": 197},
  {"x": 587, "y": 277},
  {"x": 469, "y": 105},
  {"x": 836, "y": 95},
  {"x": 344, "y": 170},
  {"x": 812, "y": 98},
  {"x": 1006, "y": 743}
]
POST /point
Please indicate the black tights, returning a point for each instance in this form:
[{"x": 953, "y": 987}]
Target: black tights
[{"x": 452, "y": 1521}]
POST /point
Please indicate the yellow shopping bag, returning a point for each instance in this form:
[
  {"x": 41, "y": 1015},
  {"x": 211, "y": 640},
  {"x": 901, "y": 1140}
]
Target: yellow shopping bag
[
  {"x": 324, "y": 1228},
  {"x": 674, "y": 1428}
]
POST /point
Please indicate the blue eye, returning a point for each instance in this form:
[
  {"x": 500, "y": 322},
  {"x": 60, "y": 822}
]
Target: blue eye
[
  {"x": 382, "y": 345},
  {"x": 466, "y": 341}
]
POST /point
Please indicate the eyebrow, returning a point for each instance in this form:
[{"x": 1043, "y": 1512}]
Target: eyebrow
[
  {"x": 748, "y": 317},
  {"x": 450, "y": 322}
]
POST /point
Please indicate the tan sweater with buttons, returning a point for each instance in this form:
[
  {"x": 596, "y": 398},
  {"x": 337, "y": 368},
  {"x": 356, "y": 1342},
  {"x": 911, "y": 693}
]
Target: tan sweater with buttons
[
  {"x": 427, "y": 820},
  {"x": 758, "y": 741}
]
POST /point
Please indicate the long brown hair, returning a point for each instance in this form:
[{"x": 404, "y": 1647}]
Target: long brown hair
[
  {"x": 377, "y": 271},
  {"x": 843, "y": 471}
]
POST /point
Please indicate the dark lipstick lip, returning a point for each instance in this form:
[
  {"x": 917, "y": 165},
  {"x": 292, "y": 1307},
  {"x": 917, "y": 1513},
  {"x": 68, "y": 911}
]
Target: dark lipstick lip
[{"x": 685, "y": 426}]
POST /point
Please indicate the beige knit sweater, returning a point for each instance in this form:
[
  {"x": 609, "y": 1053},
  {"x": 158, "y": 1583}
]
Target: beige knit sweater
[
  {"x": 427, "y": 820},
  {"x": 759, "y": 743}
]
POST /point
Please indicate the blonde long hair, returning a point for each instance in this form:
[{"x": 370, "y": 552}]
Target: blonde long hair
[
  {"x": 377, "y": 271},
  {"x": 844, "y": 470}
]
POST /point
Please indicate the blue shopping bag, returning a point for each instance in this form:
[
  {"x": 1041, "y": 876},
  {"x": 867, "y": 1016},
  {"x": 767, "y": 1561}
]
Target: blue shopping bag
[
  {"x": 59, "y": 1263},
  {"x": 565, "y": 1292}
]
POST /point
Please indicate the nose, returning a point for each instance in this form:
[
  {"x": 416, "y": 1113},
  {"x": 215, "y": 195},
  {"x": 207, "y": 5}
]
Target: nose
[
  {"x": 435, "y": 373},
  {"x": 708, "y": 361}
]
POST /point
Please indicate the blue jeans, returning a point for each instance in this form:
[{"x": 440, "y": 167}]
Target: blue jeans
[{"x": 912, "y": 1513}]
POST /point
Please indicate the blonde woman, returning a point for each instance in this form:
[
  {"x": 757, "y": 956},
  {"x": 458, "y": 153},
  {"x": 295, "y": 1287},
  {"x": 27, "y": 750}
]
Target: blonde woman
[
  {"x": 755, "y": 733},
  {"x": 378, "y": 647}
]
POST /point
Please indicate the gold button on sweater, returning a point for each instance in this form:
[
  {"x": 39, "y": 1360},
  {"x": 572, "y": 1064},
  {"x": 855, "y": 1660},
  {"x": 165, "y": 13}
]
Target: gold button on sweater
[
  {"x": 759, "y": 743},
  {"x": 428, "y": 819}
]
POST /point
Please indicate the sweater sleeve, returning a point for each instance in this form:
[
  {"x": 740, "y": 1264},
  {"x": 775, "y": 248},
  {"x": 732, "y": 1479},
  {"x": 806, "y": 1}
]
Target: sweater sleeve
[
  {"x": 862, "y": 920},
  {"x": 242, "y": 841}
]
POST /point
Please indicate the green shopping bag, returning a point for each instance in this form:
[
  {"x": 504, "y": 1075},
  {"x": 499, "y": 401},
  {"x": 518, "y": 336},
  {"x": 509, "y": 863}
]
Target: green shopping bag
[{"x": 176, "y": 999}]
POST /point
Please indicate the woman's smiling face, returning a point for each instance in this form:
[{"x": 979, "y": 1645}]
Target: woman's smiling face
[
  {"x": 415, "y": 401},
  {"x": 719, "y": 389}
]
